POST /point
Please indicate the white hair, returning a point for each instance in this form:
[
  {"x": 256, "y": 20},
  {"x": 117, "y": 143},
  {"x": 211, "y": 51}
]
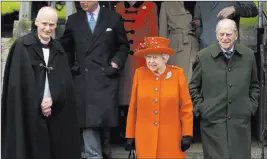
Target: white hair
[
  {"x": 229, "y": 23},
  {"x": 44, "y": 10},
  {"x": 165, "y": 58}
]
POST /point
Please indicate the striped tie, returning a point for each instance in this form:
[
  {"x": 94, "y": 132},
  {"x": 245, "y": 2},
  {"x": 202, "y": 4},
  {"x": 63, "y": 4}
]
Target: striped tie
[{"x": 228, "y": 54}]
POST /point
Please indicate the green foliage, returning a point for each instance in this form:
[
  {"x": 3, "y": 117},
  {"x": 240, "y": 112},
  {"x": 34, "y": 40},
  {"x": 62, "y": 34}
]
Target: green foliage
[
  {"x": 251, "y": 21},
  {"x": 9, "y": 7},
  {"x": 62, "y": 13}
]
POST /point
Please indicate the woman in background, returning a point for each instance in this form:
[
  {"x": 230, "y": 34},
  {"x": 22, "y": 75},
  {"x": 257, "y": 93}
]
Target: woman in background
[{"x": 175, "y": 24}]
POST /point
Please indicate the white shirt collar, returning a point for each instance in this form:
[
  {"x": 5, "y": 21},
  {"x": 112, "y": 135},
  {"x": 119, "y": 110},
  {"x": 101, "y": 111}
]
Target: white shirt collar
[
  {"x": 44, "y": 41},
  {"x": 96, "y": 12},
  {"x": 232, "y": 49}
]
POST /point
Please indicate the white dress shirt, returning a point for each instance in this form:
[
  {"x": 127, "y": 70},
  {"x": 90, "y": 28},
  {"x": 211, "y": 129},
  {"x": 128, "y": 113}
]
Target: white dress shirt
[
  {"x": 96, "y": 13},
  {"x": 232, "y": 49},
  {"x": 46, "y": 53}
]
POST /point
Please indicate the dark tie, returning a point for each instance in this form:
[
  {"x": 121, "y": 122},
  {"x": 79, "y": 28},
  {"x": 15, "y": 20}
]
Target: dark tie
[
  {"x": 44, "y": 45},
  {"x": 228, "y": 54}
]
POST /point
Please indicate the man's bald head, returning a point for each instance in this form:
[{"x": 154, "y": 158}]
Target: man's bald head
[
  {"x": 46, "y": 22},
  {"x": 47, "y": 13}
]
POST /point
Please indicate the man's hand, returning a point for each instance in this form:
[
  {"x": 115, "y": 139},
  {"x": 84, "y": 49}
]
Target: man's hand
[
  {"x": 226, "y": 12},
  {"x": 46, "y": 106},
  {"x": 195, "y": 23},
  {"x": 114, "y": 65}
]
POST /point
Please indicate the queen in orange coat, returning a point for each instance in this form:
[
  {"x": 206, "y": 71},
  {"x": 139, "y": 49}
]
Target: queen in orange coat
[{"x": 160, "y": 118}]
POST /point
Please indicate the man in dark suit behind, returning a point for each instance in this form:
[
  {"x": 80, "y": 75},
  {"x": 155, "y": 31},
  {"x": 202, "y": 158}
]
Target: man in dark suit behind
[{"x": 97, "y": 46}]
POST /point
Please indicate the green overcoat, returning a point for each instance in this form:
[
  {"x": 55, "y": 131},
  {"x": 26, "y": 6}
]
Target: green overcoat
[{"x": 225, "y": 94}]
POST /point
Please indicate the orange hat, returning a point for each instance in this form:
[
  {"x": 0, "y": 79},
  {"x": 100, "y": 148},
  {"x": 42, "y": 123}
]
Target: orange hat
[{"x": 154, "y": 45}]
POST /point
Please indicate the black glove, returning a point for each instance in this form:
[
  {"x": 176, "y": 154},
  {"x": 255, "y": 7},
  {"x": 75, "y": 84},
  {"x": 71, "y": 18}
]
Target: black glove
[
  {"x": 130, "y": 145},
  {"x": 186, "y": 142}
]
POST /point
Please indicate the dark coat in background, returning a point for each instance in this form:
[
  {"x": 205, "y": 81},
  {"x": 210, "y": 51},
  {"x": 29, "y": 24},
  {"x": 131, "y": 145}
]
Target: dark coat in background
[
  {"x": 207, "y": 13},
  {"x": 90, "y": 54},
  {"x": 26, "y": 133},
  {"x": 225, "y": 95}
]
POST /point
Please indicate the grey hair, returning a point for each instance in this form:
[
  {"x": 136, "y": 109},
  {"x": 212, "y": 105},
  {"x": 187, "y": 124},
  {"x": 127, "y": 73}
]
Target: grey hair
[
  {"x": 43, "y": 10},
  {"x": 230, "y": 23},
  {"x": 165, "y": 58}
]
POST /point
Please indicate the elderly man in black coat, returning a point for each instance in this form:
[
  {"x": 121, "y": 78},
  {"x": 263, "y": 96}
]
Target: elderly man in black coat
[
  {"x": 97, "y": 47},
  {"x": 39, "y": 119}
]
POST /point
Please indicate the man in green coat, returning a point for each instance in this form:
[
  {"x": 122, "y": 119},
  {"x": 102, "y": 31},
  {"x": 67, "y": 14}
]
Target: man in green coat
[{"x": 224, "y": 89}]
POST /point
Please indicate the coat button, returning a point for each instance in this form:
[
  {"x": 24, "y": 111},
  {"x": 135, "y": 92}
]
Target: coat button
[
  {"x": 102, "y": 69},
  {"x": 156, "y": 123},
  {"x": 155, "y": 112},
  {"x": 157, "y": 78},
  {"x": 230, "y": 85},
  {"x": 155, "y": 100},
  {"x": 229, "y": 69},
  {"x": 230, "y": 101},
  {"x": 229, "y": 117},
  {"x": 156, "y": 89},
  {"x": 86, "y": 69}
]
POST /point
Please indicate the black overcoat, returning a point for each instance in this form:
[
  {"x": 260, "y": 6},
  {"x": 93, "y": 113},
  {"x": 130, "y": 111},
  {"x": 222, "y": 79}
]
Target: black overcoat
[
  {"x": 90, "y": 54},
  {"x": 26, "y": 133}
]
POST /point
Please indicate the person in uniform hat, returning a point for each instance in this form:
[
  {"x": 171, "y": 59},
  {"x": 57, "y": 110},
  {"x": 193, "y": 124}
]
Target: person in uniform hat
[{"x": 160, "y": 115}]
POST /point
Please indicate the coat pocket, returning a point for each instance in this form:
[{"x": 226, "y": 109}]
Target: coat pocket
[
  {"x": 206, "y": 106},
  {"x": 108, "y": 37},
  {"x": 249, "y": 106}
]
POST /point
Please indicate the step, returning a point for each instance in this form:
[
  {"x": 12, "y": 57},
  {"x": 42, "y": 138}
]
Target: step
[{"x": 195, "y": 151}]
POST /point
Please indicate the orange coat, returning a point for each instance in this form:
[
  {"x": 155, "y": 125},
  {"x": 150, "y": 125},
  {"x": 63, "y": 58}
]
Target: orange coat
[
  {"x": 140, "y": 20},
  {"x": 160, "y": 113}
]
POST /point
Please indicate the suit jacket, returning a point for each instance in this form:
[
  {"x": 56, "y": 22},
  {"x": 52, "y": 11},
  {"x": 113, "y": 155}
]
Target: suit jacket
[
  {"x": 90, "y": 55},
  {"x": 207, "y": 13}
]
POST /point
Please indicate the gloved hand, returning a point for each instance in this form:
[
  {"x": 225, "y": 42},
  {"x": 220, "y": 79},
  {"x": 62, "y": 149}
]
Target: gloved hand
[
  {"x": 186, "y": 142},
  {"x": 130, "y": 145}
]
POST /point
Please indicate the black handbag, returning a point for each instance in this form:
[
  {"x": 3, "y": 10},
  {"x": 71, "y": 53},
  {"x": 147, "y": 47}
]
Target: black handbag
[{"x": 132, "y": 154}]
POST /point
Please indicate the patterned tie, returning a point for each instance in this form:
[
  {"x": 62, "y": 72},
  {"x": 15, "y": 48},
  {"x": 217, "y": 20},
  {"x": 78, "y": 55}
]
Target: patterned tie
[
  {"x": 228, "y": 54},
  {"x": 92, "y": 22}
]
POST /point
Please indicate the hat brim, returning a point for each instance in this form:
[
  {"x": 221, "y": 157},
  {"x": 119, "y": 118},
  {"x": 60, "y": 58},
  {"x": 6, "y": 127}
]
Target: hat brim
[{"x": 144, "y": 52}]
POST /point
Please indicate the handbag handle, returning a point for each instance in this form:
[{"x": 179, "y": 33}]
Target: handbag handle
[{"x": 132, "y": 154}]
